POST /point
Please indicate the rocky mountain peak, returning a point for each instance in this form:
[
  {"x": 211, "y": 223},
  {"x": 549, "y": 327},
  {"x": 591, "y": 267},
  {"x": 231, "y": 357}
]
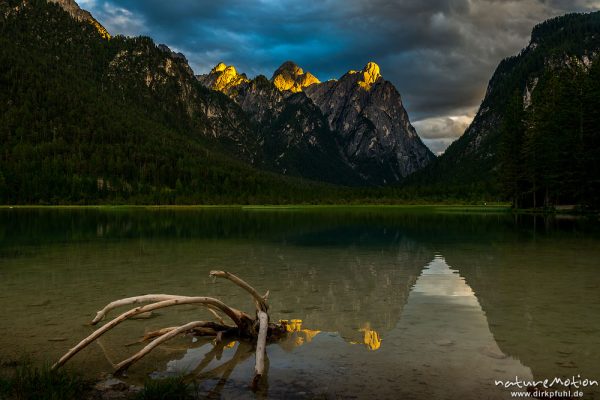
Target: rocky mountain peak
[
  {"x": 79, "y": 14},
  {"x": 367, "y": 76},
  {"x": 223, "y": 78},
  {"x": 289, "y": 67},
  {"x": 370, "y": 73},
  {"x": 220, "y": 67},
  {"x": 290, "y": 77},
  {"x": 377, "y": 138},
  {"x": 165, "y": 49}
]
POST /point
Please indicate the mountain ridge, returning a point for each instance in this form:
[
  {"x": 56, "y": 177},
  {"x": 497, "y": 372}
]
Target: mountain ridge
[
  {"x": 364, "y": 111},
  {"x": 80, "y": 14}
]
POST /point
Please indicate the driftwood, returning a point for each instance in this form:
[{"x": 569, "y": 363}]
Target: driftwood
[
  {"x": 244, "y": 327},
  {"x": 261, "y": 343}
]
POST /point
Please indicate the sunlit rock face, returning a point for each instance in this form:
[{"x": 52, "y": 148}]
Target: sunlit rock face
[
  {"x": 76, "y": 12},
  {"x": 290, "y": 77},
  {"x": 375, "y": 134},
  {"x": 223, "y": 78},
  {"x": 258, "y": 97},
  {"x": 370, "y": 75}
]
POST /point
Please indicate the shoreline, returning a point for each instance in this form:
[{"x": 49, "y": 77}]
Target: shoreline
[{"x": 431, "y": 207}]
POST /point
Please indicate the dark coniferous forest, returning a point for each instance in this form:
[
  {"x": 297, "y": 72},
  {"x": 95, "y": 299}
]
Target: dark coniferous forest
[{"x": 550, "y": 145}]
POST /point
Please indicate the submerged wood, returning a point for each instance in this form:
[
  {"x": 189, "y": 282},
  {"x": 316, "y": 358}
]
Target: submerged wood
[
  {"x": 244, "y": 328},
  {"x": 123, "y": 365}
]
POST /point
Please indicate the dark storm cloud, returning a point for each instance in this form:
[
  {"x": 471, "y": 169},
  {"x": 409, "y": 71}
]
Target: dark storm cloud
[{"x": 439, "y": 54}]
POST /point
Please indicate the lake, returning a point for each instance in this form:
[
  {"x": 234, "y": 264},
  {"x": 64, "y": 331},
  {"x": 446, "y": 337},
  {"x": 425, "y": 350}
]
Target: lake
[{"x": 389, "y": 302}]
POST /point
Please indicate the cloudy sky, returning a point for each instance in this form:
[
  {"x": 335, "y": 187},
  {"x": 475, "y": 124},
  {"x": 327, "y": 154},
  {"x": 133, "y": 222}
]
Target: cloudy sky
[{"x": 440, "y": 54}]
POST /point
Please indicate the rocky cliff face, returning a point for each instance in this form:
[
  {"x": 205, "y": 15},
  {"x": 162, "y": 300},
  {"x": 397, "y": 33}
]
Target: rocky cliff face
[
  {"x": 374, "y": 130},
  {"x": 368, "y": 128},
  {"x": 160, "y": 76},
  {"x": 260, "y": 99}
]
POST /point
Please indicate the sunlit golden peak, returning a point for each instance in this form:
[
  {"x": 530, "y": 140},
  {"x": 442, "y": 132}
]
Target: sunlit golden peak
[
  {"x": 230, "y": 70},
  {"x": 219, "y": 68},
  {"x": 371, "y": 72},
  {"x": 290, "y": 77},
  {"x": 224, "y": 78},
  {"x": 370, "y": 75}
]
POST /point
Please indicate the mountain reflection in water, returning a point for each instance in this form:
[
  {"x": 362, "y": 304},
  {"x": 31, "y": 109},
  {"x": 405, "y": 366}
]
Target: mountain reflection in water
[
  {"x": 380, "y": 302},
  {"x": 442, "y": 337}
]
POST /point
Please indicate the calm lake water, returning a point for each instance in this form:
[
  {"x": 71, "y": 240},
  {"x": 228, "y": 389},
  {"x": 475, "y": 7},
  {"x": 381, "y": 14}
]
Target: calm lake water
[{"x": 411, "y": 303}]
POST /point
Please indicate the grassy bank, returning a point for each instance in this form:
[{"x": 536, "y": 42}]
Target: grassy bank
[{"x": 25, "y": 381}]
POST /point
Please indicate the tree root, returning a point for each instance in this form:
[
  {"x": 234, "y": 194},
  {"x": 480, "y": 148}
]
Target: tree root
[{"x": 245, "y": 327}]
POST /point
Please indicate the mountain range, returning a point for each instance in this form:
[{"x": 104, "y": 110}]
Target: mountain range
[
  {"x": 94, "y": 118},
  {"x": 357, "y": 123}
]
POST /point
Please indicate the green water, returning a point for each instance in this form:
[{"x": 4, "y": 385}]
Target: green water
[{"x": 394, "y": 302}]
